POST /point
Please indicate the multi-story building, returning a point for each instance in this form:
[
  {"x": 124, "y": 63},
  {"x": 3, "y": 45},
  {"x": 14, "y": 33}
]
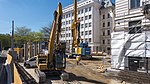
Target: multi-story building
[
  {"x": 130, "y": 47},
  {"x": 88, "y": 13},
  {"x": 106, "y": 25}
]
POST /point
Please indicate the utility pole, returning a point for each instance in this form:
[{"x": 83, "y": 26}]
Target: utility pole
[{"x": 12, "y": 37}]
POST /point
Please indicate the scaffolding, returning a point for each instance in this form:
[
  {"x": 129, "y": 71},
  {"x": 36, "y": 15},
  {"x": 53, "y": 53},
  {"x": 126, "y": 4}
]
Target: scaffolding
[{"x": 131, "y": 49}]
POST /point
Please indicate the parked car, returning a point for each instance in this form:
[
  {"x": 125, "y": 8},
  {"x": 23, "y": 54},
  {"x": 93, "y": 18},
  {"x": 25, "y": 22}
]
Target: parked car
[{"x": 30, "y": 63}]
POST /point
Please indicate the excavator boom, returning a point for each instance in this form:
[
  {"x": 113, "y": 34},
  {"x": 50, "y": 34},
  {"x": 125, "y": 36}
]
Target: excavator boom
[{"x": 55, "y": 31}]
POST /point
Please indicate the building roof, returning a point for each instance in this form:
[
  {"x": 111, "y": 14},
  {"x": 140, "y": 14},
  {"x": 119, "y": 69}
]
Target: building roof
[
  {"x": 80, "y": 3},
  {"x": 106, "y": 3}
]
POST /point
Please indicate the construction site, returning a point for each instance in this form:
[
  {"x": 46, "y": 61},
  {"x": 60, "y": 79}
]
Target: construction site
[{"x": 54, "y": 61}]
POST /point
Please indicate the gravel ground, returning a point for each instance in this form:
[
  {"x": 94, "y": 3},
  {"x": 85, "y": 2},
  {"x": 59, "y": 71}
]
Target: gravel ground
[
  {"x": 78, "y": 74},
  {"x": 87, "y": 72}
]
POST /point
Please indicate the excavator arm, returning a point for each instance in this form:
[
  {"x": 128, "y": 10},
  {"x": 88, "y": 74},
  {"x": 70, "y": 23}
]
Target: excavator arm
[
  {"x": 54, "y": 35},
  {"x": 75, "y": 27}
]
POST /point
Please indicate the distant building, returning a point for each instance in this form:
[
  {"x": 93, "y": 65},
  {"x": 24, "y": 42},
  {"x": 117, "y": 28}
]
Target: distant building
[
  {"x": 130, "y": 42},
  {"x": 106, "y": 25},
  {"x": 88, "y": 13}
]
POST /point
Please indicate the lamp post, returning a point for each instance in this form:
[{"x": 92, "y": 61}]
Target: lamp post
[{"x": 12, "y": 37}]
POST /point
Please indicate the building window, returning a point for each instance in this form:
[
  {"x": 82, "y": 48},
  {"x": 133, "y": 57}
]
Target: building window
[
  {"x": 103, "y": 16},
  {"x": 63, "y": 29},
  {"x": 103, "y": 33},
  {"x": 86, "y": 17},
  {"x": 90, "y": 32},
  {"x": 86, "y": 32},
  {"x": 81, "y": 18},
  {"x": 108, "y": 15},
  {"x": 69, "y": 34},
  {"x": 69, "y": 14},
  {"x": 63, "y": 23},
  {"x": 134, "y": 3},
  {"x": 108, "y": 48},
  {"x": 66, "y": 22},
  {"x": 86, "y": 39},
  {"x": 86, "y": 25},
  {"x": 108, "y": 24},
  {"x": 78, "y": 18},
  {"x": 103, "y": 41},
  {"x": 66, "y": 35},
  {"x": 69, "y": 28},
  {"x": 135, "y": 27},
  {"x": 103, "y": 24},
  {"x": 104, "y": 49},
  {"x": 89, "y": 8},
  {"x": 82, "y": 25},
  {"x": 108, "y": 41},
  {"x": 72, "y": 14},
  {"x": 69, "y": 21},
  {"x": 108, "y": 32},
  {"x": 90, "y": 24},
  {"x": 64, "y": 17},
  {"x": 86, "y": 9},
  {"x": 89, "y": 16},
  {"x": 89, "y": 39},
  {"x": 79, "y": 12},
  {"x": 82, "y": 33}
]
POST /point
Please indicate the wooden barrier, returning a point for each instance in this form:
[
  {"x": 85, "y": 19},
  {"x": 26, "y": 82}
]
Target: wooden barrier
[{"x": 17, "y": 79}]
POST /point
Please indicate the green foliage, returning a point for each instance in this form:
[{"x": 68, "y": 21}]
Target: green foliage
[
  {"x": 35, "y": 37},
  {"x": 46, "y": 30},
  {"x": 22, "y": 31},
  {"x": 5, "y": 41},
  {"x": 24, "y": 35}
]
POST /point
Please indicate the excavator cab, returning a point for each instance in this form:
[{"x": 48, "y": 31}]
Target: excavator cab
[
  {"x": 59, "y": 61},
  {"x": 60, "y": 57}
]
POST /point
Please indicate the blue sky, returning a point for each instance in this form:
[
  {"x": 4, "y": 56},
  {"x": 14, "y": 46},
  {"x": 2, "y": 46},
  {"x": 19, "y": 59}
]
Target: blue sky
[{"x": 33, "y": 14}]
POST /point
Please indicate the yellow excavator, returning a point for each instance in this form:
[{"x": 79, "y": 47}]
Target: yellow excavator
[
  {"x": 78, "y": 48},
  {"x": 55, "y": 61}
]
